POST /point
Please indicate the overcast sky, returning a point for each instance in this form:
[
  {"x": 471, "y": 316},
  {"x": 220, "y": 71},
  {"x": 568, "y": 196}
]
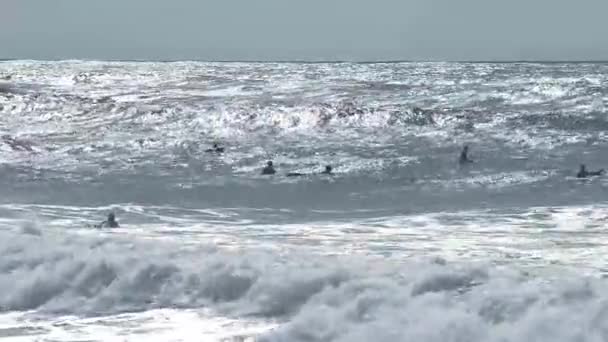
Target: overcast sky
[{"x": 305, "y": 29}]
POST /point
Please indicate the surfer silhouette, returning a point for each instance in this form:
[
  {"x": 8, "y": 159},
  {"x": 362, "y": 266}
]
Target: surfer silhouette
[
  {"x": 110, "y": 222},
  {"x": 327, "y": 171},
  {"x": 583, "y": 173},
  {"x": 464, "y": 156},
  {"x": 215, "y": 149},
  {"x": 269, "y": 169}
]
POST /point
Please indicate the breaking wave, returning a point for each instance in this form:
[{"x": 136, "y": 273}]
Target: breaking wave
[{"x": 316, "y": 298}]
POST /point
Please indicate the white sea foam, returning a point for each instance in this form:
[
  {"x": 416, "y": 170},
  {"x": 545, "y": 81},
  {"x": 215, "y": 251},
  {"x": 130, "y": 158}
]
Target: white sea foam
[{"x": 315, "y": 298}]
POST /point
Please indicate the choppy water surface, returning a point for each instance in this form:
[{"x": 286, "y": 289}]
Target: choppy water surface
[{"x": 400, "y": 244}]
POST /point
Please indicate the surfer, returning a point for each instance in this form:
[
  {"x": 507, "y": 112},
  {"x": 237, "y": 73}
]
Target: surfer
[
  {"x": 110, "y": 222},
  {"x": 269, "y": 169},
  {"x": 215, "y": 149},
  {"x": 327, "y": 171},
  {"x": 143, "y": 141},
  {"x": 464, "y": 156},
  {"x": 583, "y": 173}
]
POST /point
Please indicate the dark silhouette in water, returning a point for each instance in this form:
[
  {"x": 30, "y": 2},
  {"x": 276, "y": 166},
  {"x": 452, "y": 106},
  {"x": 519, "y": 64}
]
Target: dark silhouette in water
[
  {"x": 142, "y": 141},
  {"x": 464, "y": 156},
  {"x": 215, "y": 149},
  {"x": 110, "y": 222},
  {"x": 327, "y": 171},
  {"x": 583, "y": 173},
  {"x": 295, "y": 174},
  {"x": 269, "y": 169}
]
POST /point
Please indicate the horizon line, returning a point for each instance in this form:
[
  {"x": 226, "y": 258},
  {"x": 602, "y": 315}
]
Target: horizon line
[{"x": 329, "y": 61}]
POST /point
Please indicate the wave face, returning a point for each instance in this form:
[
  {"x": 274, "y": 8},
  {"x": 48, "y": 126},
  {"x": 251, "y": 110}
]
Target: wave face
[{"x": 401, "y": 243}]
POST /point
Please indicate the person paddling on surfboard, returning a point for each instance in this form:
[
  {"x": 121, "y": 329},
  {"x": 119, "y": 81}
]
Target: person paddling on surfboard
[
  {"x": 327, "y": 171},
  {"x": 215, "y": 149},
  {"x": 110, "y": 222},
  {"x": 583, "y": 173}
]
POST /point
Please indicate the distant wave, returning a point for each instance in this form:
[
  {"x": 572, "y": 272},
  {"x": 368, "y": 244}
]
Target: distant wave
[{"x": 131, "y": 131}]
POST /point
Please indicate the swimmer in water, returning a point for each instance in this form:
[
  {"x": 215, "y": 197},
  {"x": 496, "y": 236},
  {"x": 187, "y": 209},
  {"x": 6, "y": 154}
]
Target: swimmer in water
[
  {"x": 110, "y": 222},
  {"x": 215, "y": 149},
  {"x": 328, "y": 170},
  {"x": 464, "y": 156},
  {"x": 143, "y": 141},
  {"x": 583, "y": 173},
  {"x": 269, "y": 169}
]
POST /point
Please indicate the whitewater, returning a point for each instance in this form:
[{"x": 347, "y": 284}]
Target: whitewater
[{"x": 401, "y": 244}]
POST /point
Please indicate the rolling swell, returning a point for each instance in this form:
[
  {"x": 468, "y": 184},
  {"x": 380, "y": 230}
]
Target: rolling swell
[{"x": 398, "y": 126}]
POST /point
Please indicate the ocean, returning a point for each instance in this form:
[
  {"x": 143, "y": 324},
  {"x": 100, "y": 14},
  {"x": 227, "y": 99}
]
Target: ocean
[{"x": 400, "y": 243}]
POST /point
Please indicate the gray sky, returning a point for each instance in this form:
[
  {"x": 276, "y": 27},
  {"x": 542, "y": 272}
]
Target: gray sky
[{"x": 304, "y": 29}]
